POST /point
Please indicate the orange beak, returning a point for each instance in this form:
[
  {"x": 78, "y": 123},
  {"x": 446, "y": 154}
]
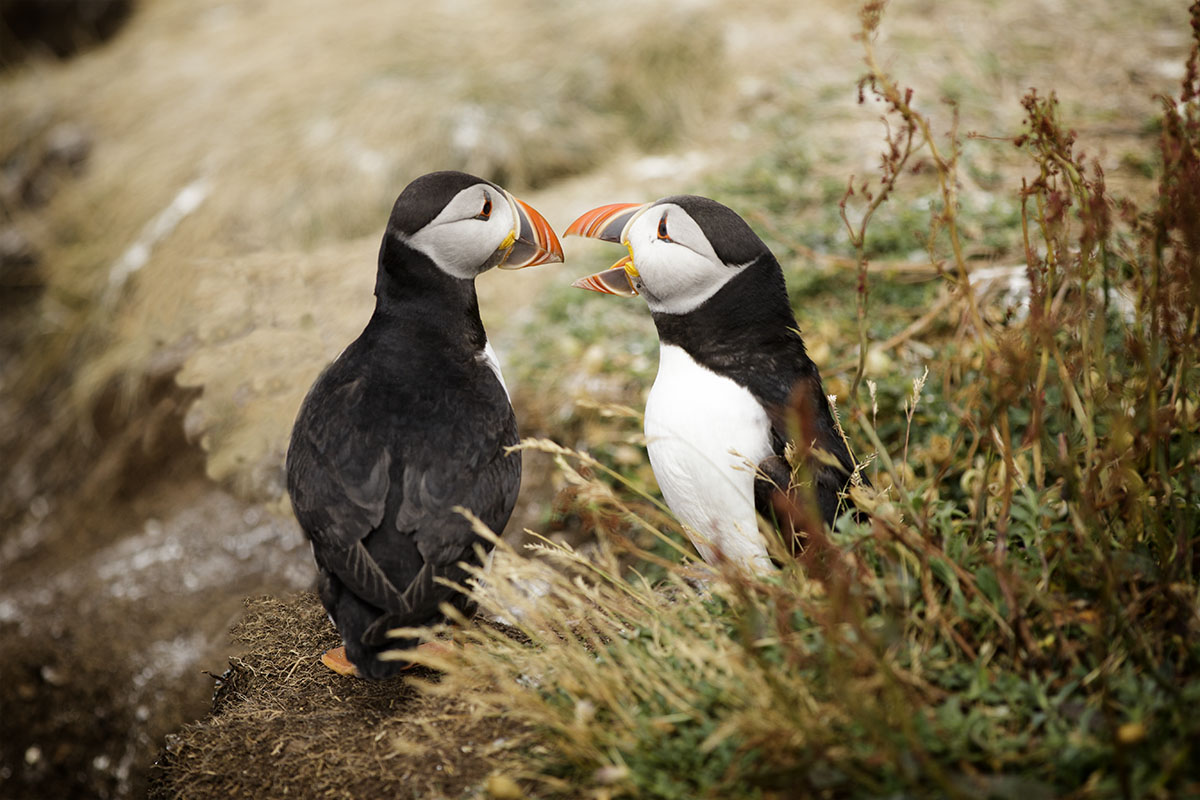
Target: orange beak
[
  {"x": 608, "y": 223},
  {"x": 535, "y": 240},
  {"x": 611, "y": 281}
]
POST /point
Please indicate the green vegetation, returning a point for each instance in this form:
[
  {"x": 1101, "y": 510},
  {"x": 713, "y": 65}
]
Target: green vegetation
[{"x": 1018, "y": 616}]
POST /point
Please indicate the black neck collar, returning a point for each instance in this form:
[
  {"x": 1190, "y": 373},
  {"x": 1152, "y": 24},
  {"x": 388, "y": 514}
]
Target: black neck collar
[
  {"x": 746, "y": 331},
  {"x": 409, "y": 285}
]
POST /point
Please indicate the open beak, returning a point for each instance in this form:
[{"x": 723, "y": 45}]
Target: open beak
[
  {"x": 609, "y": 223},
  {"x": 616, "y": 280},
  {"x": 534, "y": 241}
]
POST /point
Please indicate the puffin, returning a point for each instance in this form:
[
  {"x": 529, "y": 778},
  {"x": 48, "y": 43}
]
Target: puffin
[
  {"x": 733, "y": 375},
  {"x": 412, "y": 422}
]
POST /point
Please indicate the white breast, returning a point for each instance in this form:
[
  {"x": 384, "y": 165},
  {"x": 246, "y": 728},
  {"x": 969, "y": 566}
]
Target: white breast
[
  {"x": 488, "y": 356},
  {"x": 705, "y": 433}
]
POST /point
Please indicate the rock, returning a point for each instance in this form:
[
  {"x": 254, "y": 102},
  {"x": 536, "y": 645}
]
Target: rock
[{"x": 59, "y": 28}]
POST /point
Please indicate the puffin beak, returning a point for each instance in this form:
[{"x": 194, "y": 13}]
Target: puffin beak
[
  {"x": 533, "y": 242},
  {"x": 609, "y": 223},
  {"x": 616, "y": 280}
]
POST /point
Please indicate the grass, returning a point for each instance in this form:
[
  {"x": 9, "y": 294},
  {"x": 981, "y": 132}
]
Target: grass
[{"x": 1018, "y": 615}]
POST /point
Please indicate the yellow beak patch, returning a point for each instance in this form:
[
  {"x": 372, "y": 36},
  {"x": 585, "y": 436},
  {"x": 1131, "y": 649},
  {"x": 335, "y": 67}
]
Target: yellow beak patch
[{"x": 629, "y": 265}]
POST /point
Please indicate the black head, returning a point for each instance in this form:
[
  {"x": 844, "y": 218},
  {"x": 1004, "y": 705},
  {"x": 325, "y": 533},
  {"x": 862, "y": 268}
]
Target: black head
[
  {"x": 731, "y": 238},
  {"x": 427, "y": 196},
  {"x": 465, "y": 225},
  {"x": 685, "y": 249}
]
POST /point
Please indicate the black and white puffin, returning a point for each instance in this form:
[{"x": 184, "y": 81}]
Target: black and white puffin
[
  {"x": 731, "y": 366},
  {"x": 412, "y": 420}
]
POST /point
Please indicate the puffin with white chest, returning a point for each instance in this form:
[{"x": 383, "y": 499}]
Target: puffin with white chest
[
  {"x": 412, "y": 421},
  {"x": 732, "y": 368}
]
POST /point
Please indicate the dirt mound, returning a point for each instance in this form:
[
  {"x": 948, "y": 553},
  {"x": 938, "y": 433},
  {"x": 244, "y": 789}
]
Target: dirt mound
[{"x": 282, "y": 724}]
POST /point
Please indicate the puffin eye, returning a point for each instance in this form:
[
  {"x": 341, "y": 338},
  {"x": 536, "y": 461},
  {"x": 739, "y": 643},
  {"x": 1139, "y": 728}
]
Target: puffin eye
[
  {"x": 487, "y": 208},
  {"x": 662, "y": 229}
]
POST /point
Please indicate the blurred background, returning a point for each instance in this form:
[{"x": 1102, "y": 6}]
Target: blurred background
[{"x": 191, "y": 200}]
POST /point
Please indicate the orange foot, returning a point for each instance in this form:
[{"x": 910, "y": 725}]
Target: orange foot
[{"x": 336, "y": 660}]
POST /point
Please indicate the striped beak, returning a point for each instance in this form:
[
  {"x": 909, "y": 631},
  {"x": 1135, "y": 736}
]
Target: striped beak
[
  {"x": 616, "y": 280},
  {"x": 606, "y": 223},
  {"x": 533, "y": 242},
  {"x": 609, "y": 223}
]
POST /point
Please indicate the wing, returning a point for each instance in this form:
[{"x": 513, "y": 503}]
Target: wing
[
  {"x": 375, "y": 489},
  {"x": 774, "y": 475},
  {"x": 339, "y": 480},
  {"x": 484, "y": 480},
  {"x": 808, "y": 415}
]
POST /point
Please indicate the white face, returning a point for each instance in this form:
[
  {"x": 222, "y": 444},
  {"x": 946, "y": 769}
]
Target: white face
[
  {"x": 677, "y": 267},
  {"x": 471, "y": 233}
]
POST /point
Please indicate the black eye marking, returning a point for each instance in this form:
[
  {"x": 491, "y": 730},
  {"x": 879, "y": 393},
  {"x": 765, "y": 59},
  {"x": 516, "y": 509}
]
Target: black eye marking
[
  {"x": 487, "y": 207},
  {"x": 662, "y": 229}
]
